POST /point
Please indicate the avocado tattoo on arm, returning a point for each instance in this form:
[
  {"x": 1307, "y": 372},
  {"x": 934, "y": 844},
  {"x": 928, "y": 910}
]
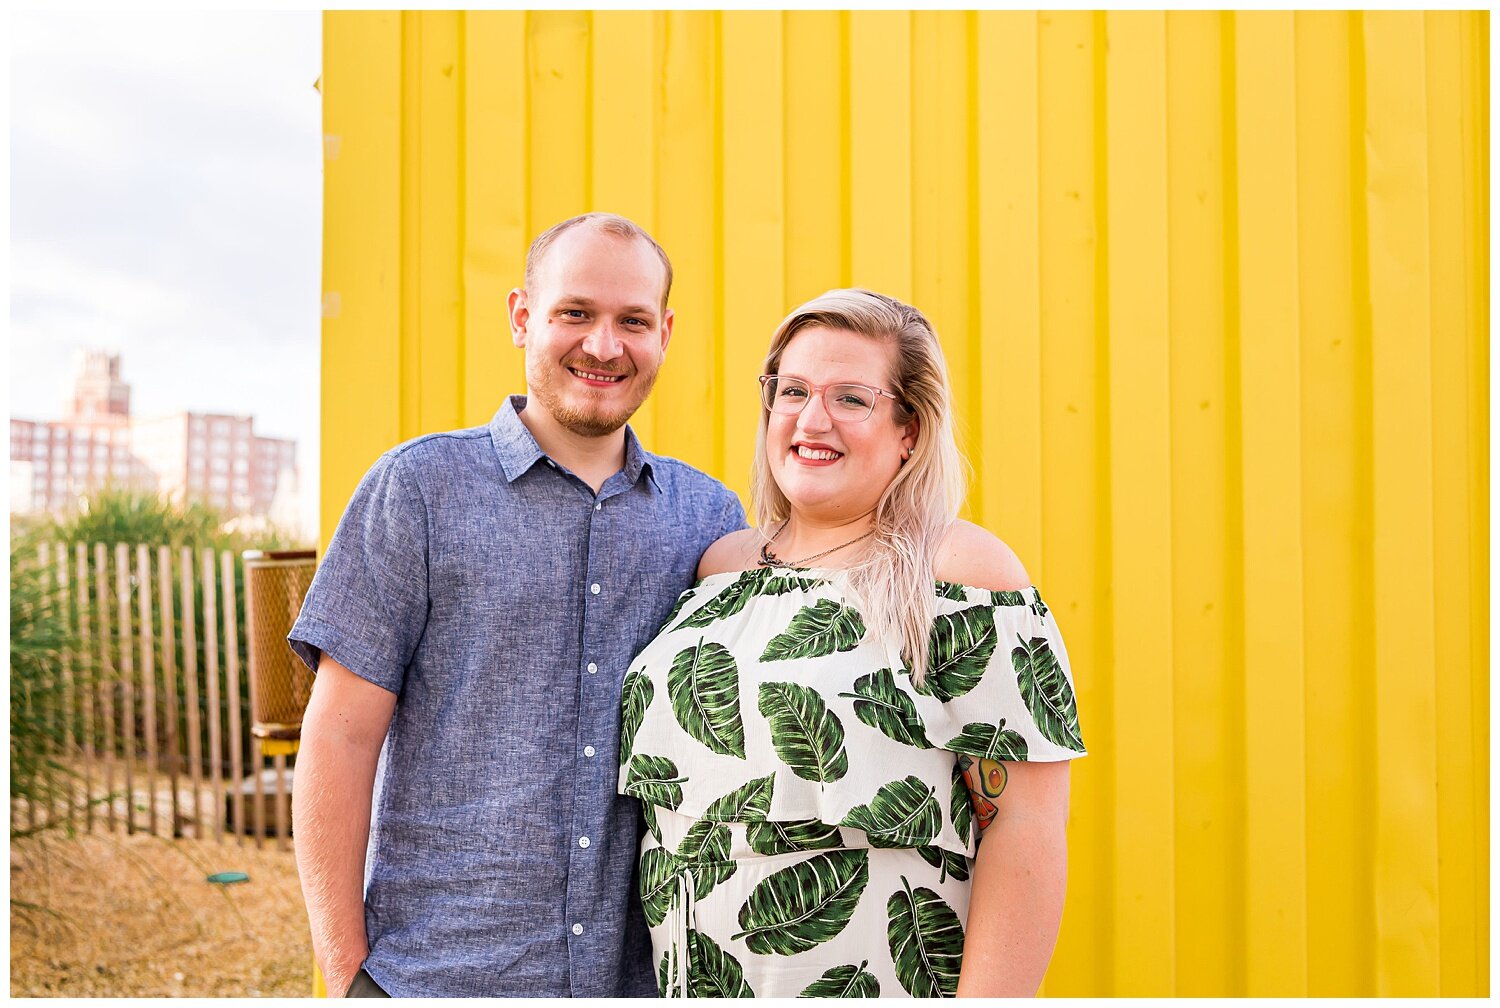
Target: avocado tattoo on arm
[{"x": 986, "y": 779}]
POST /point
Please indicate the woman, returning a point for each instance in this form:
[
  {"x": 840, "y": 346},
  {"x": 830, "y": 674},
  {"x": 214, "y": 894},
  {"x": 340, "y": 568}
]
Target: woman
[{"x": 852, "y": 695}]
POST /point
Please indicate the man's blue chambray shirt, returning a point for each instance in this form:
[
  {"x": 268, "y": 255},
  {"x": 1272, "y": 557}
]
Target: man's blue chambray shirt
[{"x": 502, "y": 601}]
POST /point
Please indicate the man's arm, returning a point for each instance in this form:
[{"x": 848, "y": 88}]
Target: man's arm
[{"x": 342, "y": 732}]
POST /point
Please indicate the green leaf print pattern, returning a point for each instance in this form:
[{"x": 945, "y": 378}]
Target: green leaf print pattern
[
  {"x": 636, "y": 696},
  {"x": 903, "y": 813},
  {"x": 926, "y": 940},
  {"x": 960, "y": 807},
  {"x": 682, "y": 600},
  {"x": 749, "y": 802},
  {"x": 844, "y": 982},
  {"x": 807, "y": 736},
  {"x": 705, "y": 853},
  {"x": 737, "y": 594},
  {"x": 949, "y": 590},
  {"x": 654, "y": 779},
  {"x": 805, "y": 904},
  {"x": 770, "y": 838},
  {"x": 1007, "y": 598},
  {"x": 659, "y": 881},
  {"x": 1047, "y": 694},
  {"x": 822, "y": 629},
  {"x": 648, "y": 812},
  {"x": 881, "y": 705},
  {"x": 989, "y": 741},
  {"x": 702, "y": 834},
  {"x": 705, "y": 846},
  {"x": 666, "y": 972},
  {"x": 704, "y": 685},
  {"x": 961, "y": 645},
  {"x": 946, "y": 862},
  {"x": 713, "y": 972}
]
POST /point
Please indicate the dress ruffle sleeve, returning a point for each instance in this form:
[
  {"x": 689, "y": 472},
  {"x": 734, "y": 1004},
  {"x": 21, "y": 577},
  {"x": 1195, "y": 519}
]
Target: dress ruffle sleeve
[
  {"x": 999, "y": 685},
  {"x": 764, "y": 699}
]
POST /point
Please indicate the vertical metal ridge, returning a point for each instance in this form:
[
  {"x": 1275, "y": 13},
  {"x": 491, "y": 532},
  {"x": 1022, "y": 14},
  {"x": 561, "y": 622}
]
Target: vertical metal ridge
[
  {"x": 1270, "y": 445},
  {"x": 1194, "y": 224},
  {"x": 1337, "y": 689},
  {"x": 786, "y": 159},
  {"x": 846, "y": 154},
  {"x": 590, "y": 198},
  {"x": 1359, "y": 241},
  {"x": 912, "y": 63},
  {"x": 1104, "y": 585},
  {"x": 661, "y": 28},
  {"x": 1405, "y": 835},
  {"x": 461, "y": 96},
  {"x": 716, "y": 45},
  {"x": 1476, "y": 52},
  {"x": 1135, "y": 397},
  {"x": 1036, "y": 251},
  {"x": 1236, "y": 731},
  {"x": 528, "y": 154},
  {"x": 973, "y": 278},
  {"x": 411, "y": 224},
  {"x": 1442, "y": 74}
]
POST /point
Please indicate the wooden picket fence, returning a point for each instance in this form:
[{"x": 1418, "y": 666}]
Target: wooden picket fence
[{"x": 153, "y": 719}]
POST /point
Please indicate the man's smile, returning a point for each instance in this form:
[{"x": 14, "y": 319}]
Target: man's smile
[{"x": 596, "y": 377}]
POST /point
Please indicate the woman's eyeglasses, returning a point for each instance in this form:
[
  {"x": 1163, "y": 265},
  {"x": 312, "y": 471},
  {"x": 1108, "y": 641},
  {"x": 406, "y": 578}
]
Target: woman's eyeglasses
[{"x": 844, "y": 402}]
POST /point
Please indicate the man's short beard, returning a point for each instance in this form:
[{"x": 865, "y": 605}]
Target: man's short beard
[
  {"x": 588, "y": 423},
  {"x": 585, "y": 424}
]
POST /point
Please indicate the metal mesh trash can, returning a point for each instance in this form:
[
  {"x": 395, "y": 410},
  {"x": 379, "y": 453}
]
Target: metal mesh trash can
[{"x": 280, "y": 684}]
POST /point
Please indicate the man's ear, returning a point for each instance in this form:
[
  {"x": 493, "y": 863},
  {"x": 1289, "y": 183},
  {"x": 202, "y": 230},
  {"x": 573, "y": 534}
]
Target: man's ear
[
  {"x": 666, "y": 329},
  {"x": 519, "y": 314}
]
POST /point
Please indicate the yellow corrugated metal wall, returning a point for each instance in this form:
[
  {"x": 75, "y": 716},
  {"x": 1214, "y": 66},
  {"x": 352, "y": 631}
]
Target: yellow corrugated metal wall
[{"x": 1214, "y": 291}]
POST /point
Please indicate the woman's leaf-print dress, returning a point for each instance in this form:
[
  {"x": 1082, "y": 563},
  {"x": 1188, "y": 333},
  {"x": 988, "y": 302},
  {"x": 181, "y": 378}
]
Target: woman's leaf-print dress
[{"x": 810, "y": 832}]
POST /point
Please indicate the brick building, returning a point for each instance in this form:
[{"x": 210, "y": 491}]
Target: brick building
[{"x": 210, "y": 458}]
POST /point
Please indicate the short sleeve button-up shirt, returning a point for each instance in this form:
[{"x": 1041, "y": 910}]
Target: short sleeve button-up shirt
[{"x": 502, "y": 600}]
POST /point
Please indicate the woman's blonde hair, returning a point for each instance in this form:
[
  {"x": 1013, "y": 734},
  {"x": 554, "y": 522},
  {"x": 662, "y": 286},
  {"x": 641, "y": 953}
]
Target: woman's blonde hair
[{"x": 894, "y": 580}]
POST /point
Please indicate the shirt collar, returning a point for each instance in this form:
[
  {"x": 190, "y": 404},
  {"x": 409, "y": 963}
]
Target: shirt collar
[
  {"x": 518, "y": 451},
  {"x": 514, "y": 444},
  {"x": 639, "y": 460}
]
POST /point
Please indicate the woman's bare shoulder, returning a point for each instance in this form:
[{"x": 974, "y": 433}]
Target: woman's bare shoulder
[
  {"x": 736, "y": 551},
  {"x": 975, "y": 556}
]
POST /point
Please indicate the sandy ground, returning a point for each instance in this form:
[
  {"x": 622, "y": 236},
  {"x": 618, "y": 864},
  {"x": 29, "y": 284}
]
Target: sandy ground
[{"x": 134, "y": 916}]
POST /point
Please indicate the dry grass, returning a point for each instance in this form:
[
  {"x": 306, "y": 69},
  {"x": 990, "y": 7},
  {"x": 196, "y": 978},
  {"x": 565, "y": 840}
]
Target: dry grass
[{"x": 133, "y": 916}]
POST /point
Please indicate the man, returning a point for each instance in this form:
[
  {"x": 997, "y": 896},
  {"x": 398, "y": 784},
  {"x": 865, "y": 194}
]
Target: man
[{"x": 470, "y": 624}]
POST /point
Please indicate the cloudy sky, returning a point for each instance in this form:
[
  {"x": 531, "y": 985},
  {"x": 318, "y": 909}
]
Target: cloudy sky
[{"x": 166, "y": 193}]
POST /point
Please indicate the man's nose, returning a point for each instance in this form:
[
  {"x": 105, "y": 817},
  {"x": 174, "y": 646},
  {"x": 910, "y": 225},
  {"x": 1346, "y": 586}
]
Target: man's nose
[{"x": 603, "y": 342}]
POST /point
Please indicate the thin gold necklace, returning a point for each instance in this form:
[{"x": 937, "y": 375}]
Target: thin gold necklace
[{"x": 769, "y": 559}]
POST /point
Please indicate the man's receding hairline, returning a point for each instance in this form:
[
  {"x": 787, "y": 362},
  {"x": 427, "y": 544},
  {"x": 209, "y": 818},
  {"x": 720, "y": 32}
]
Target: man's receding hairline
[
  {"x": 613, "y": 225},
  {"x": 544, "y": 254}
]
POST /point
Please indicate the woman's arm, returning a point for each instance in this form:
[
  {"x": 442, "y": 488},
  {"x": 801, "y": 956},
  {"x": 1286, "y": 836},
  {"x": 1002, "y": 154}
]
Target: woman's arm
[
  {"x": 1020, "y": 876},
  {"x": 1020, "y": 811}
]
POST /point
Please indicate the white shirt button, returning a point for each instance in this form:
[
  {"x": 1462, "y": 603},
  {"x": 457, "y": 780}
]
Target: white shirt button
[
  {"x": 593, "y": 668},
  {"x": 594, "y": 588},
  {"x": 588, "y": 750},
  {"x": 583, "y": 841},
  {"x": 578, "y": 929},
  {"x": 599, "y": 506}
]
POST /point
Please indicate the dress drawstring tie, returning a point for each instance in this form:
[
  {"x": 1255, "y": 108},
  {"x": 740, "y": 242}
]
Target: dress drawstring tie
[{"x": 681, "y": 923}]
